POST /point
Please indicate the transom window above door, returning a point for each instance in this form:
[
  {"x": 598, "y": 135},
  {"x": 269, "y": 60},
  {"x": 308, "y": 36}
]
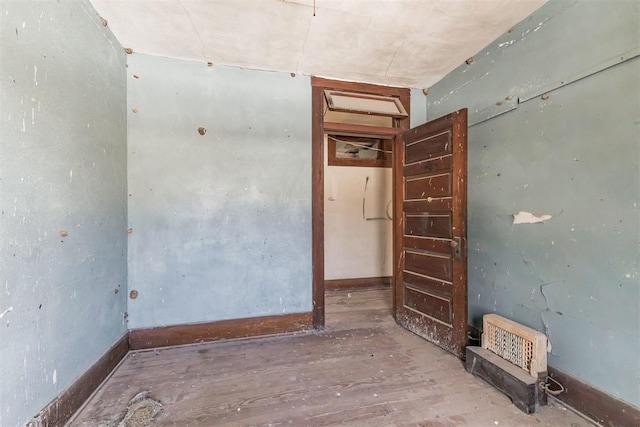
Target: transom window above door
[
  {"x": 360, "y": 125},
  {"x": 363, "y": 151},
  {"x": 364, "y": 103}
]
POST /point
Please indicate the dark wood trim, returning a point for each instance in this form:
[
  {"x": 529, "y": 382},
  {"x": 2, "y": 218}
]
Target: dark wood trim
[
  {"x": 328, "y": 94},
  {"x": 459, "y": 219},
  {"x": 358, "y": 283},
  {"x": 397, "y": 180},
  {"x": 317, "y": 206},
  {"x": 397, "y": 227},
  {"x": 194, "y": 333},
  {"x": 349, "y": 129},
  {"x": 318, "y": 129},
  {"x": 405, "y": 98},
  {"x": 602, "y": 407},
  {"x": 67, "y": 403},
  {"x": 360, "y": 87}
]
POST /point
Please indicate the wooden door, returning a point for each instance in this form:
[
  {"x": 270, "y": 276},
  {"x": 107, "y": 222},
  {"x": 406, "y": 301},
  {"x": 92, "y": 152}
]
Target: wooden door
[{"x": 430, "y": 199}]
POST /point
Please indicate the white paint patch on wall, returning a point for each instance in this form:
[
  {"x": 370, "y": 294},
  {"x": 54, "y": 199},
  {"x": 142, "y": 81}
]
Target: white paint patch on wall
[
  {"x": 357, "y": 225},
  {"x": 529, "y": 218}
]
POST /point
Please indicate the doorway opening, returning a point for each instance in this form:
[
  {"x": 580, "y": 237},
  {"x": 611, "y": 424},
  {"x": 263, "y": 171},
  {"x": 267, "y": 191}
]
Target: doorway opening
[
  {"x": 428, "y": 202},
  {"x": 358, "y": 212},
  {"x": 353, "y": 132}
]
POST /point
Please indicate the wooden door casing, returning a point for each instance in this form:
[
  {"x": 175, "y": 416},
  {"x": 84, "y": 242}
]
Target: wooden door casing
[
  {"x": 318, "y": 129},
  {"x": 430, "y": 203}
]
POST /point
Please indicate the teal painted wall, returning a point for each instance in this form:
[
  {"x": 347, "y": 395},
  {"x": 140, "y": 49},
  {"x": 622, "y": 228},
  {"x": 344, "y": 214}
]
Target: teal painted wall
[
  {"x": 574, "y": 156},
  {"x": 222, "y": 221},
  {"x": 418, "y": 111},
  {"x": 62, "y": 199}
]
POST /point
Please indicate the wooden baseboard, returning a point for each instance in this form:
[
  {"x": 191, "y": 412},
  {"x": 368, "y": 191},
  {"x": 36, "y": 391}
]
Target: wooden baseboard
[
  {"x": 67, "y": 403},
  {"x": 359, "y": 283},
  {"x": 602, "y": 407},
  {"x": 62, "y": 408},
  {"x": 167, "y": 336}
]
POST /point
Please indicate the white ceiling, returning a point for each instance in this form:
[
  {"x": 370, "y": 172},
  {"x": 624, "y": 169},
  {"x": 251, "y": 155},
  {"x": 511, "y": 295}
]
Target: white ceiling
[{"x": 408, "y": 43}]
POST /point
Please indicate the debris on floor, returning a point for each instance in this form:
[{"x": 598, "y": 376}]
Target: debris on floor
[{"x": 141, "y": 411}]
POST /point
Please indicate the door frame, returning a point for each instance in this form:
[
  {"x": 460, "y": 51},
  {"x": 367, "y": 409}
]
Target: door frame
[{"x": 318, "y": 85}]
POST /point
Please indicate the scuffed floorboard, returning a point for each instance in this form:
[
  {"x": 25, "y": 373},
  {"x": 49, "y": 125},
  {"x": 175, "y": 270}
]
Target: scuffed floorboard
[{"x": 364, "y": 370}]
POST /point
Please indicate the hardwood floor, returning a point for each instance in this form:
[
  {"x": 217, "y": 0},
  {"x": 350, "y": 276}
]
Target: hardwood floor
[{"x": 364, "y": 370}]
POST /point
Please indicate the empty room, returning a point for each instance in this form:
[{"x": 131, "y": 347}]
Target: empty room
[{"x": 319, "y": 212}]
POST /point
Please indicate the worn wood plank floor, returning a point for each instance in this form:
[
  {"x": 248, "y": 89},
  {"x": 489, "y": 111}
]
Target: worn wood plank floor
[{"x": 364, "y": 370}]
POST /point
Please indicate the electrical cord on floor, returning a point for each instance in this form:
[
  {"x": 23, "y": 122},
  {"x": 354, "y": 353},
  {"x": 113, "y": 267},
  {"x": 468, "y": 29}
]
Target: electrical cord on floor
[{"x": 548, "y": 390}]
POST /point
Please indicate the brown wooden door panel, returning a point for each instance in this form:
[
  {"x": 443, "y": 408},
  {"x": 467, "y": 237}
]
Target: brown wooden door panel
[
  {"x": 425, "y": 263},
  {"x": 430, "y": 199},
  {"x": 434, "y": 127},
  {"x": 428, "y": 225},
  {"x": 441, "y": 246},
  {"x": 430, "y": 165},
  {"x": 437, "y": 307},
  {"x": 433, "y": 206},
  {"x": 417, "y": 188},
  {"x": 428, "y": 284},
  {"x": 427, "y": 147}
]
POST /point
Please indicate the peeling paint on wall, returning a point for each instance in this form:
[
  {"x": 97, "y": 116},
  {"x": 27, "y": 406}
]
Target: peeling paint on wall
[
  {"x": 562, "y": 278},
  {"x": 529, "y": 218}
]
